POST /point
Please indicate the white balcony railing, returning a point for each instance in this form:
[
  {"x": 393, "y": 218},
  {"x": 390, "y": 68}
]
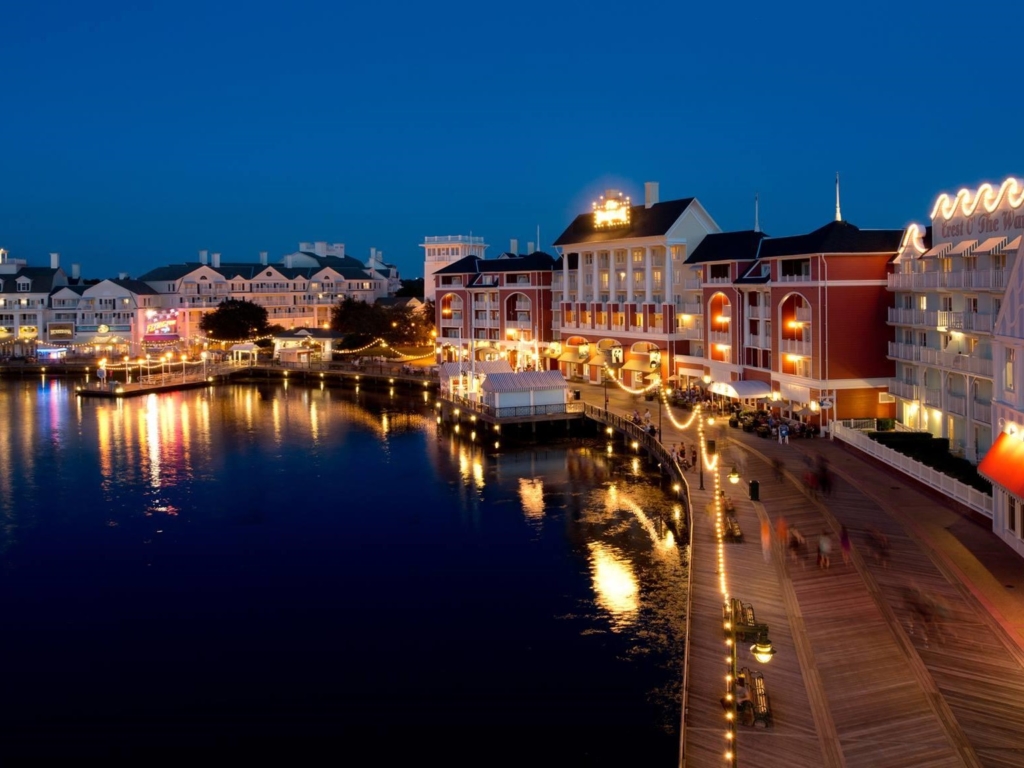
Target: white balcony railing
[
  {"x": 956, "y": 362},
  {"x": 795, "y": 347},
  {"x": 982, "y": 412},
  {"x": 691, "y": 333},
  {"x": 803, "y": 314},
  {"x": 690, "y": 308},
  {"x": 692, "y": 284},
  {"x": 956, "y": 404},
  {"x": 753, "y": 313},
  {"x": 933, "y": 397},
  {"x": 720, "y": 337},
  {"x": 901, "y": 351},
  {"x": 904, "y": 389}
]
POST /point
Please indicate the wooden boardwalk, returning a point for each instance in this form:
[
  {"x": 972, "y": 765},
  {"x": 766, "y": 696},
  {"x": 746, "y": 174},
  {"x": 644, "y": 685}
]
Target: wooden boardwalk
[{"x": 858, "y": 680}]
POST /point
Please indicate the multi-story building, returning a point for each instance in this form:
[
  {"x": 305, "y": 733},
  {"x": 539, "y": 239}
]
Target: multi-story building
[
  {"x": 110, "y": 318},
  {"x": 800, "y": 319},
  {"x": 489, "y": 309},
  {"x": 621, "y": 284},
  {"x": 948, "y": 291},
  {"x": 297, "y": 292},
  {"x": 25, "y": 303},
  {"x": 958, "y": 317},
  {"x": 442, "y": 250}
]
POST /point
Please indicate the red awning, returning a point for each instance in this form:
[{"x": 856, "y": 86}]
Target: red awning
[{"x": 1004, "y": 463}]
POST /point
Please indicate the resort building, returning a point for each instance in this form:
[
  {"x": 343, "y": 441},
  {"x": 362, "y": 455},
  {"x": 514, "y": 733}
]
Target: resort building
[
  {"x": 25, "y": 304},
  {"x": 958, "y": 318},
  {"x": 442, "y": 250},
  {"x": 297, "y": 292},
  {"x": 799, "y": 319},
  {"x": 621, "y": 284},
  {"x": 490, "y": 309}
]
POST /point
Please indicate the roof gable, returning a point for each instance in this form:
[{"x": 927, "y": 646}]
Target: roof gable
[
  {"x": 834, "y": 237},
  {"x": 727, "y": 246},
  {"x": 643, "y": 222}
]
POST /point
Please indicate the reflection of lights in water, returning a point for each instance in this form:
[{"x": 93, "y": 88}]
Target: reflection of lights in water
[
  {"x": 616, "y": 501},
  {"x": 314, "y": 422},
  {"x": 634, "y": 465},
  {"x": 531, "y": 493},
  {"x": 152, "y": 437},
  {"x": 470, "y": 468},
  {"x": 615, "y": 585}
]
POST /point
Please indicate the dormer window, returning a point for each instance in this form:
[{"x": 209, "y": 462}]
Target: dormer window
[{"x": 24, "y": 286}]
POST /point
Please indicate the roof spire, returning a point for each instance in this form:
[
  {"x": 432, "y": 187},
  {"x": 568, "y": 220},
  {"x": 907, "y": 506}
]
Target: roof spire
[
  {"x": 757, "y": 224},
  {"x": 839, "y": 216}
]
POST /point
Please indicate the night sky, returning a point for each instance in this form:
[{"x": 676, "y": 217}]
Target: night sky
[{"x": 133, "y": 134}]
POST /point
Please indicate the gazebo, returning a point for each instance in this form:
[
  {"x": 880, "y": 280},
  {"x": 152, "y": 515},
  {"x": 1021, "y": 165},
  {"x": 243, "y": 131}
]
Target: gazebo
[{"x": 239, "y": 352}]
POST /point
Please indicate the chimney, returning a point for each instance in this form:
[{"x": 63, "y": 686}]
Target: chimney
[
  {"x": 216, "y": 261},
  {"x": 202, "y": 257},
  {"x": 320, "y": 248},
  {"x": 288, "y": 261},
  {"x": 513, "y": 247},
  {"x": 373, "y": 255},
  {"x": 650, "y": 193},
  {"x": 122, "y": 275},
  {"x": 76, "y": 271},
  {"x": 54, "y": 261},
  {"x": 529, "y": 248},
  {"x": 263, "y": 258}
]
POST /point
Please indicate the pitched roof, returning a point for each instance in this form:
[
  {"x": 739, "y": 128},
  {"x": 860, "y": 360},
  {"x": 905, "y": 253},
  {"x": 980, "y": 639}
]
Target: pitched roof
[
  {"x": 643, "y": 222},
  {"x": 41, "y": 277},
  {"x": 538, "y": 261},
  {"x": 488, "y": 367},
  {"x": 310, "y": 333},
  {"x": 137, "y": 287},
  {"x": 727, "y": 246},
  {"x": 834, "y": 237},
  {"x": 349, "y": 269},
  {"x": 524, "y": 381}
]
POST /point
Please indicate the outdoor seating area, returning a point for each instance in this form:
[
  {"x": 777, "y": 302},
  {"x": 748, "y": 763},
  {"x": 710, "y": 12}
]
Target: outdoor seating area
[
  {"x": 766, "y": 424},
  {"x": 744, "y": 623}
]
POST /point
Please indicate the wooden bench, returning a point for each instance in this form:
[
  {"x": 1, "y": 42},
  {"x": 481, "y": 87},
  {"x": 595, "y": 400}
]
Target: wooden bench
[
  {"x": 759, "y": 705},
  {"x": 733, "y": 532},
  {"x": 743, "y": 623}
]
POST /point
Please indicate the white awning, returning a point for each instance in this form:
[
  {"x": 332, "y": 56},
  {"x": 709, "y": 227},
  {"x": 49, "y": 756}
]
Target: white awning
[
  {"x": 1012, "y": 246},
  {"x": 992, "y": 244},
  {"x": 964, "y": 246},
  {"x": 242, "y": 348},
  {"x": 741, "y": 389},
  {"x": 938, "y": 250},
  {"x": 638, "y": 364}
]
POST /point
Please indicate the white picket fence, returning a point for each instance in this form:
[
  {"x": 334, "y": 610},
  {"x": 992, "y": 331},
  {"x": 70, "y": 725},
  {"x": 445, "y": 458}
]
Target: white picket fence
[{"x": 849, "y": 432}]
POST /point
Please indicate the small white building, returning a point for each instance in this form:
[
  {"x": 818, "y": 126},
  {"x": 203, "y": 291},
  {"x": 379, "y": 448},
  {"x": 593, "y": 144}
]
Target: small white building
[
  {"x": 528, "y": 388},
  {"x": 465, "y": 379}
]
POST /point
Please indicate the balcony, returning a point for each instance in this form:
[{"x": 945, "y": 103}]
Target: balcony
[
  {"x": 933, "y": 397},
  {"x": 719, "y": 280},
  {"x": 901, "y": 351},
  {"x": 691, "y": 333},
  {"x": 720, "y": 337},
  {"x": 904, "y": 389},
  {"x": 727, "y": 311},
  {"x": 987, "y": 279},
  {"x": 793, "y": 278},
  {"x": 693, "y": 284},
  {"x": 982, "y": 412},
  {"x": 795, "y": 347},
  {"x": 803, "y": 314},
  {"x": 903, "y": 316},
  {"x": 956, "y": 362},
  {"x": 690, "y": 309},
  {"x": 956, "y": 404},
  {"x": 754, "y": 313}
]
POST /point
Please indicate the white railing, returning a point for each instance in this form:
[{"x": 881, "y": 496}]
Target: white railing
[
  {"x": 720, "y": 337},
  {"x": 693, "y": 284},
  {"x": 902, "y": 351},
  {"x": 753, "y": 312},
  {"x": 902, "y": 316},
  {"x": 954, "y": 489},
  {"x": 793, "y": 279},
  {"x": 933, "y": 397},
  {"x": 958, "y": 362},
  {"x": 803, "y": 314},
  {"x": 976, "y": 321},
  {"x": 956, "y": 404},
  {"x": 982, "y": 412},
  {"x": 691, "y": 309},
  {"x": 904, "y": 389},
  {"x": 718, "y": 280},
  {"x": 795, "y": 347},
  {"x": 691, "y": 333},
  {"x": 727, "y": 311}
]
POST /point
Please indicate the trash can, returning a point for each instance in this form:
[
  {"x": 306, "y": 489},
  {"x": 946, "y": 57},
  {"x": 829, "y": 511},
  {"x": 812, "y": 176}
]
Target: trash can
[
  {"x": 576, "y": 394},
  {"x": 755, "y": 490}
]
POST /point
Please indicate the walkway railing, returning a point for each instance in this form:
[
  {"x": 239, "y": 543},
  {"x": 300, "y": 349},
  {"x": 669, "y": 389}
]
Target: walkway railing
[
  {"x": 512, "y": 411},
  {"x": 848, "y": 432}
]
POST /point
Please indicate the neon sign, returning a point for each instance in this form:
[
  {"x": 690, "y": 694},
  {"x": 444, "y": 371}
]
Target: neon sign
[{"x": 612, "y": 210}]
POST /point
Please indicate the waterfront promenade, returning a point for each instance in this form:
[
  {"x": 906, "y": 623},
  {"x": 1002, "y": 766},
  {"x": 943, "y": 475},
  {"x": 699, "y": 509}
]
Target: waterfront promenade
[{"x": 858, "y": 679}]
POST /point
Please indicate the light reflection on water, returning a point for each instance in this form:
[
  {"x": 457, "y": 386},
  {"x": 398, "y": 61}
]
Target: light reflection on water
[{"x": 251, "y": 509}]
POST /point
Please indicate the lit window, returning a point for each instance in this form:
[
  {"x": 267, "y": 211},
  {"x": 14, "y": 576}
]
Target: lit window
[{"x": 1008, "y": 375}]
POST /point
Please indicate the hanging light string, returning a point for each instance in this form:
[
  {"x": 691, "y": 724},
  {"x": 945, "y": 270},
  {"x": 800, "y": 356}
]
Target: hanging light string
[{"x": 619, "y": 383}]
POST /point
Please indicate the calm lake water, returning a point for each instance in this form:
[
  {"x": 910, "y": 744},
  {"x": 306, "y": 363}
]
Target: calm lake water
[{"x": 280, "y": 569}]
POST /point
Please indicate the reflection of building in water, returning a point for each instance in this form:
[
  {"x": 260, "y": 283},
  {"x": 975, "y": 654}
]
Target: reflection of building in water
[
  {"x": 615, "y": 585},
  {"x": 531, "y": 494}
]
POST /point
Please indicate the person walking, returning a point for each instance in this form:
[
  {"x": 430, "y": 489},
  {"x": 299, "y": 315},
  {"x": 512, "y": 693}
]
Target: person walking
[
  {"x": 766, "y": 540},
  {"x": 824, "y": 550}
]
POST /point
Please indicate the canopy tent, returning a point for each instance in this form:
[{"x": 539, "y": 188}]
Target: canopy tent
[
  {"x": 1002, "y": 463},
  {"x": 741, "y": 389}
]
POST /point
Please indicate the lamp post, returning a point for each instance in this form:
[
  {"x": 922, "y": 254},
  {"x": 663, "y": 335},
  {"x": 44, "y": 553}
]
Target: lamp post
[
  {"x": 202, "y": 356},
  {"x": 700, "y": 444},
  {"x": 127, "y": 370},
  {"x": 183, "y": 359}
]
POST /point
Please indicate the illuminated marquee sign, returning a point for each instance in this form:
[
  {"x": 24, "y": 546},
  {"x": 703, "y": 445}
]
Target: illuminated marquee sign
[
  {"x": 163, "y": 323},
  {"x": 987, "y": 212},
  {"x": 61, "y": 330},
  {"x": 28, "y": 332},
  {"x": 612, "y": 210}
]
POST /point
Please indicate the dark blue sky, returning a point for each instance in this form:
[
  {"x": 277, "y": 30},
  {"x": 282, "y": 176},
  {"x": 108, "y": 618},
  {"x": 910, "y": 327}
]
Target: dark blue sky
[{"x": 134, "y": 134}]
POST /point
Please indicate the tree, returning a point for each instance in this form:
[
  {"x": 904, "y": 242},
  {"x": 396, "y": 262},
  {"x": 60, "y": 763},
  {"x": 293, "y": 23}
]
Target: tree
[
  {"x": 411, "y": 288},
  {"x": 235, "y": 320},
  {"x": 364, "y": 322}
]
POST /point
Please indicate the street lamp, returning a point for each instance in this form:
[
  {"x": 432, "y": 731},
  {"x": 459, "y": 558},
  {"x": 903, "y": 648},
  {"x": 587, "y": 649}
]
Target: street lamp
[
  {"x": 127, "y": 371},
  {"x": 734, "y": 476},
  {"x": 202, "y": 356},
  {"x": 183, "y": 359},
  {"x": 762, "y": 649}
]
